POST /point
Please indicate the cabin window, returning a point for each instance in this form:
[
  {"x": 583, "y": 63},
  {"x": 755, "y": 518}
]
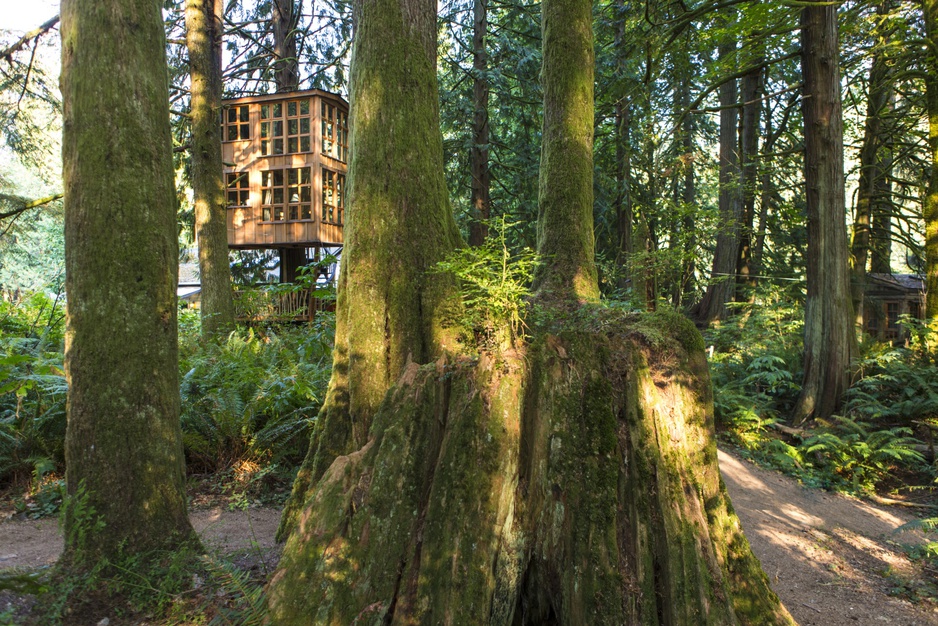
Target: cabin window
[
  {"x": 334, "y": 132},
  {"x": 915, "y": 310},
  {"x": 285, "y": 127},
  {"x": 236, "y": 123},
  {"x": 333, "y": 196},
  {"x": 892, "y": 320},
  {"x": 286, "y": 195},
  {"x": 237, "y": 188}
]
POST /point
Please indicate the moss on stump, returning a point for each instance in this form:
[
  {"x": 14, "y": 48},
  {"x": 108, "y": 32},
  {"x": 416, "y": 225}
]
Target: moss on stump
[{"x": 573, "y": 482}]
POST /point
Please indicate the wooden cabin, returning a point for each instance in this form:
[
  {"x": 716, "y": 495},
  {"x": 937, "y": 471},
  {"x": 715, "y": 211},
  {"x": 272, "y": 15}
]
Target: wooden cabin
[
  {"x": 887, "y": 297},
  {"x": 286, "y": 160}
]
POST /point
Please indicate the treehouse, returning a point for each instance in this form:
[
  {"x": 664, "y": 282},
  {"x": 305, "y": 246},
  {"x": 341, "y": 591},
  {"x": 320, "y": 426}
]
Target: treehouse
[{"x": 286, "y": 158}]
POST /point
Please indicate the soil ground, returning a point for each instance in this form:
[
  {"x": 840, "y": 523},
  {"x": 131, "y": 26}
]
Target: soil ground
[{"x": 833, "y": 561}]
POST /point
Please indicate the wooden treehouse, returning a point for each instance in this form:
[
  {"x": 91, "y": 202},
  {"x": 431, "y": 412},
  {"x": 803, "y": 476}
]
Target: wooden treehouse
[{"x": 286, "y": 160}]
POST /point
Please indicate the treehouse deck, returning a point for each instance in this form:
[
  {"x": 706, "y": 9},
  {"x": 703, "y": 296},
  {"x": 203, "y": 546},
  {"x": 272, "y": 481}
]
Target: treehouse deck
[{"x": 285, "y": 160}]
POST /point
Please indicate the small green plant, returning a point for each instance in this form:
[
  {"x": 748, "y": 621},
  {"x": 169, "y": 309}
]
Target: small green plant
[{"x": 494, "y": 283}]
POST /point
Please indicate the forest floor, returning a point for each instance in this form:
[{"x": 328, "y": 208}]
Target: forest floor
[{"x": 834, "y": 561}]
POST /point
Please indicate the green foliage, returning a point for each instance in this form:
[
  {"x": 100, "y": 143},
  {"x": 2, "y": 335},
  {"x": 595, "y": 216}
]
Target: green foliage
[
  {"x": 756, "y": 368},
  {"x": 253, "y": 397},
  {"x": 32, "y": 390},
  {"x": 494, "y": 284}
]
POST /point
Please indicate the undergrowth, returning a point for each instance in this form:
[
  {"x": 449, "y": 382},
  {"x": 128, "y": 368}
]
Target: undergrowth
[{"x": 756, "y": 369}]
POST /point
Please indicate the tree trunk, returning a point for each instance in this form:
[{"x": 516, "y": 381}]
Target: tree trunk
[
  {"x": 872, "y": 183},
  {"x": 284, "y": 20},
  {"x": 123, "y": 445},
  {"x": 391, "y": 310},
  {"x": 204, "y": 29},
  {"x": 572, "y": 480},
  {"x": 690, "y": 200},
  {"x": 479, "y": 155},
  {"x": 829, "y": 340},
  {"x": 930, "y": 11},
  {"x": 565, "y": 197},
  {"x": 750, "y": 131},
  {"x": 623, "y": 199},
  {"x": 722, "y": 284}
]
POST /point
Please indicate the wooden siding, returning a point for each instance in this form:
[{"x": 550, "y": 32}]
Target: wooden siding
[{"x": 246, "y": 227}]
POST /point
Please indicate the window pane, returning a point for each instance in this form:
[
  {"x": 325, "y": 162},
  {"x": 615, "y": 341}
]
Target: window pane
[
  {"x": 265, "y": 147},
  {"x": 304, "y": 107},
  {"x": 265, "y": 111},
  {"x": 267, "y": 197},
  {"x": 305, "y": 194},
  {"x": 304, "y": 125},
  {"x": 232, "y": 133},
  {"x": 278, "y": 129},
  {"x": 265, "y": 129},
  {"x": 305, "y": 212},
  {"x": 243, "y": 116},
  {"x": 304, "y": 144},
  {"x": 278, "y": 213},
  {"x": 293, "y": 175},
  {"x": 265, "y": 179},
  {"x": 293, "y": 145},
  {"x": 244, "y": 196},
  {"x": 266, "y": 217},
  {"x": 294, "y": 194},
  {"x": 304, "y": 175},
  {"x": 291, "y": 109},
  {"x": 294, "y": 213},
  {"x": 278, "y": 146},
  {"x": 232, "y": 115},
  {"x": 278, "y": 177},
  {"x": 245, "y": 131},
  {"x": 278, "y": 195},
  {"x": 293, "y": 127},
  {"x": 278, "y": 110}
]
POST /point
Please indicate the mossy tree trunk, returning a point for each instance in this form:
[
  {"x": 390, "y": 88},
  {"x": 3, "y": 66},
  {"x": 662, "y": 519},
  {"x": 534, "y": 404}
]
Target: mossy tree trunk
[
  {"x": 390, "y": 310},
  {"x": 829, "y": 338},
  {"x": 570, "y": 480},
  {"x": 930, "y": 12},
  {"x": 565, "y": 195},
  {"x": 123, "y": 444},
  {"x": 204, "y": 29}
]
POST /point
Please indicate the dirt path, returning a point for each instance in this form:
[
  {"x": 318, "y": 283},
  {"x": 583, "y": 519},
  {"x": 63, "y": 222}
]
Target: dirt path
[
  {"x": 832, "y": 560},
  {"x": 34, "y": 543}
]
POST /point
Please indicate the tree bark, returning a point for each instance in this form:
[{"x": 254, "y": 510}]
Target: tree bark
[
  {"x": 829, "y": 339},
  {"x": 284, "y": 20},
  {"x": 391, "y": 309},
  {"x": 479, "y": 155},
  {"x": 872, "y": 184},
  {"x": 565, "y": 198},
  {"x": 930, "y": 208},
  {"x": 749, "y": 140},
  {"x": 204, "y": 30},
  {"x": 722, "y": 284},
  {"x": 123, "y": 445}
]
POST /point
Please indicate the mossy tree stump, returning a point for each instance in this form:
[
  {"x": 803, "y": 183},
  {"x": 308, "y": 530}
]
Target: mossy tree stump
[{"x": 572, "y": 482}]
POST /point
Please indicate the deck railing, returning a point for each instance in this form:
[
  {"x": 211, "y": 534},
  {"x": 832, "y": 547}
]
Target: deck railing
[{"x": 278, "y": 303}]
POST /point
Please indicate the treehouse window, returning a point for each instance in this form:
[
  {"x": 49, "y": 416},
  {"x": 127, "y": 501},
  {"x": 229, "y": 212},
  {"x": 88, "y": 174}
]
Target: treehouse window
[
  {"x": 286, "y": 195},
  {"x": 238, "y": 191},
  {"x": 236, "y": 123},
  {"x": 333, "y": 196},
  {"x": 285, "y": 127},
  {"x": 334, "y": 132}
]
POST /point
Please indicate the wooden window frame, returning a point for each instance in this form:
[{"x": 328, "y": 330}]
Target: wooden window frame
[
  {"x": 282, "y": 127},
  {"x": 240, "y": 123},
  {"x": 334, "y": 131},
  {"x": 237, "y": 188},
  {"x": 333, "y": 186},
  {"x": 282, "y": 180}
]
